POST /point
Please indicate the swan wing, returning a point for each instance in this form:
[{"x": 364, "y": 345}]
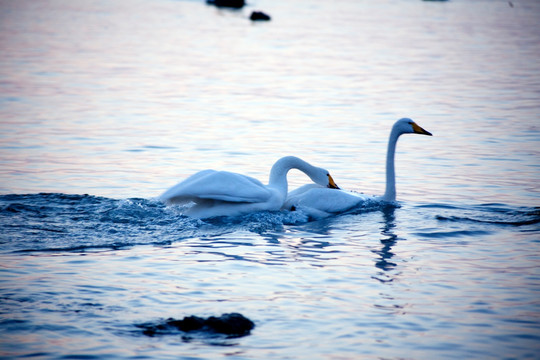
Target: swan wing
[{"x": 217, "y": 185}]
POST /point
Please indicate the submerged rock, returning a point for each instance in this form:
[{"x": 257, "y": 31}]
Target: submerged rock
[
  {"x": 259, "y": 16},
  {"x": 233, "y": 325}
]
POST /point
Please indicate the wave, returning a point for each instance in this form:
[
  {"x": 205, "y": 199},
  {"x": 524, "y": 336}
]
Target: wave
[
  {"x": 493, "y": 213},
  {"x": 56, "y": 222},
  {"x": 450, "y": 234}
]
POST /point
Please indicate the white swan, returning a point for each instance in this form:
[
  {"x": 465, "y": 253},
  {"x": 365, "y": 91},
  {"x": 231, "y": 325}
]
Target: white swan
[
  {"x": 320, "y": 202},
  {"x": 222, "y": 193}
]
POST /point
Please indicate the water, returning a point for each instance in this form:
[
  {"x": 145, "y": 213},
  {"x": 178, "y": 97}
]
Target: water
[{"x": 120, "y": 100}]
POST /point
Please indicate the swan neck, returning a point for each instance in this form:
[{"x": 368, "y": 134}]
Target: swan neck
[
  {"x": 278, "y": 174},
  {"x": 390, "y": 191}
]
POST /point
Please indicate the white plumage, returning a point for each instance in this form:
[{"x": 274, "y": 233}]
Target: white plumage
[
  {"x": 223, "y": 193},
  {"x": 320, "y": 202}
]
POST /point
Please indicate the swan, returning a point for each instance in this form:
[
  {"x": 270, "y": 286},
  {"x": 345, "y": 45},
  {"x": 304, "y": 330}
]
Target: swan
[
  {"x": 223, "y": 193},
  {"x": 319, "y": 202}
]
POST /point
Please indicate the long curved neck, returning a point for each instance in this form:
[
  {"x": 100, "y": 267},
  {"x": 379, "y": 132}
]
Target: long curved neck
[
  {"x": 390, "y": 192},
  {"x": 278, "y": 174}
]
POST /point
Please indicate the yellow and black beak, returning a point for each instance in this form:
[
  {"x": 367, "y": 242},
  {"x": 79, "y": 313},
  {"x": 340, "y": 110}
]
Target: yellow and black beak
[
  {"x": 331, "y": 183},
  {"x": 418, "y": 130}
]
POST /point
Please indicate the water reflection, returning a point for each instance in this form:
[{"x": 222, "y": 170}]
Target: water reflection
[{"x": 388, "y": 241}]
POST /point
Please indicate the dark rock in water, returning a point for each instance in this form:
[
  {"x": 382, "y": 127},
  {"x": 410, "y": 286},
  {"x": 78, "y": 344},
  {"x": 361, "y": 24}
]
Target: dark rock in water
[
  {"x": 230, "y": 324},
  {"x": 237, "y": 4},
  {"x": 259, "y": 16},
  {"x": 233, "y": 325},
  {"x": 189, "y": 323}
]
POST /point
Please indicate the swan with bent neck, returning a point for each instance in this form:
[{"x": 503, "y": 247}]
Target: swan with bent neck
[
  {"x": 223, "y": 193},
  {"x": 320, "y": 202}
]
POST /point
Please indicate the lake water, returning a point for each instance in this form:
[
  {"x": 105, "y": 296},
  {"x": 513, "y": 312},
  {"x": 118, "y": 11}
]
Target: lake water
[{"x": 104, "y": 105}]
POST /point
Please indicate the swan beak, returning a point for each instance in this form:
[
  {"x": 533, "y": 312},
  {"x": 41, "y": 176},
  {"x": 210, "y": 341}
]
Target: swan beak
[
  {"x": 418, "y": 130},
  {"x": 331, "y": 183}
]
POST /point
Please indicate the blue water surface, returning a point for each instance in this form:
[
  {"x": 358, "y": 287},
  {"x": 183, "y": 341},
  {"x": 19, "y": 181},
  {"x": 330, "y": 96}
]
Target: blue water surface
[
  {"x": 79, "y": 273},
  {"x": 105, "y": 105}
]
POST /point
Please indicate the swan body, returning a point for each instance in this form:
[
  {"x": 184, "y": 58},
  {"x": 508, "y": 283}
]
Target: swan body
[
  {"x": 223, "y": 193},
  {"x": 319, "y": 202}
]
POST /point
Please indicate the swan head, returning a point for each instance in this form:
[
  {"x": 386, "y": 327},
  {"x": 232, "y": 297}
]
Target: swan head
[
  {"x": 408, "y": 126},
  {"x": 322, "y": 177}
]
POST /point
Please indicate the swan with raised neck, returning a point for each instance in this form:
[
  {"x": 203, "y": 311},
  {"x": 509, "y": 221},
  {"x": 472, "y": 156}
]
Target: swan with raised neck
[
  {"x": 402, "y": 126},
  {"x": 319, "y": 202}
]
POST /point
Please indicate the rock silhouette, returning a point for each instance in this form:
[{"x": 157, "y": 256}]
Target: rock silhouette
[
  {"x": 259, "y": 16},
  {"x": 236, "y": 4},
  {"x": 233, "y": 325}
]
